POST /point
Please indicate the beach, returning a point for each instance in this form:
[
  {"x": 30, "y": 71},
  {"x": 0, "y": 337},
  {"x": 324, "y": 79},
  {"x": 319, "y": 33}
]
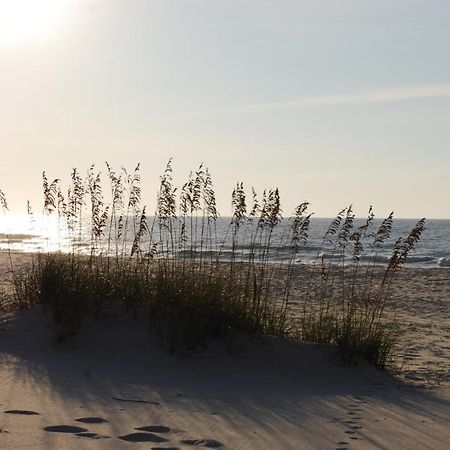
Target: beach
[
  {"x": 224, "y": 225},
  {"x": 112, "y": 386}
]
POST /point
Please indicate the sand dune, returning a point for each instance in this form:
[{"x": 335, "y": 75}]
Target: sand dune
[{"x": 113, "y": 387}]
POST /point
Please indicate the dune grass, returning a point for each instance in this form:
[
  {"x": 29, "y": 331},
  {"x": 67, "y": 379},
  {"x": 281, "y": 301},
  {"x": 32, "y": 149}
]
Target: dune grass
[{"x": 171, "y": 267}]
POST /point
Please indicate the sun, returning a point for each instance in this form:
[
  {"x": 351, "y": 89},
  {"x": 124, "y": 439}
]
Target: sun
[{"x": 28, "y": 20}]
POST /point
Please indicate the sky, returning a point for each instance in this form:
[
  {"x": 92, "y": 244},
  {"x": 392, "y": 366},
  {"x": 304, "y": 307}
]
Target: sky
[{"x": 336, "y": 102}]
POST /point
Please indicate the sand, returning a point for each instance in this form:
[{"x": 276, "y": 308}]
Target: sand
[{"x": 113, "y": 387}]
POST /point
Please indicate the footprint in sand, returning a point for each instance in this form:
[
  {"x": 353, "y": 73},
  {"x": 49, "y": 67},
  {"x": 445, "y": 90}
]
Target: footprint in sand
[
  {"x": 155, "y": 429},
  {"x": 165, "y": 448},
  {"x": 209, "y": 443},
  {"x": 351, "y": 424},
  {"x": 90, "y": 435},
  {"x": 91, "y": 420},
  {"x": 142, "y": 437},
  {"x": 75, "y": 430},
  {"x": 355, "y": 408},
  {"x": 65, "y": 429},
  {"x": 23, "y": 412}
]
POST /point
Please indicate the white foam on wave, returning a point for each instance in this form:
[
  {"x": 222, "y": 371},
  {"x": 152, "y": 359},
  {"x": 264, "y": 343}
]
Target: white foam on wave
[{"x": 444, "y": 262}]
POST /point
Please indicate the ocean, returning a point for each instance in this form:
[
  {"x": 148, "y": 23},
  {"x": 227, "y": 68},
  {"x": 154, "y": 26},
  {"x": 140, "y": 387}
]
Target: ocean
[{"x": 20, "y": 234}]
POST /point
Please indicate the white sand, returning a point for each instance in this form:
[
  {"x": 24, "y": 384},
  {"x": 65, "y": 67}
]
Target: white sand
[{"x": 265, "y": 395}]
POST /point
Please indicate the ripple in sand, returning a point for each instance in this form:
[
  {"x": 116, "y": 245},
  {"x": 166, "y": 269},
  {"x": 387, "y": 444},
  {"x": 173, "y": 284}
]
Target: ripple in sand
[
  {"x": 23, "y": 412},
  {"x": 135, "y": 400},
  {"x": 91, "y": 420},
  {"x": 210, "y": 443},
  {"x": 65, "y": 429},
  {"x": 142, "y": 437}
]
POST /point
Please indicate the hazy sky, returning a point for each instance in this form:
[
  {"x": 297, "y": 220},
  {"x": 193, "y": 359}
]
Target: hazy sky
[{"x": 333, "y": 101}]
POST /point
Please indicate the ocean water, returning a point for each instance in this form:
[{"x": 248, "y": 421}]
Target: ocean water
[{"x": 47, "y": 233}]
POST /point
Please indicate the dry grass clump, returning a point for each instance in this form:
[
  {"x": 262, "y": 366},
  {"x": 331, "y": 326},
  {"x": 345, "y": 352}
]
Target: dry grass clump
[
  {"x": 185, "y": 306},
  {"x": 196, "y": 283},
  {"x": 349, "y": 310}
]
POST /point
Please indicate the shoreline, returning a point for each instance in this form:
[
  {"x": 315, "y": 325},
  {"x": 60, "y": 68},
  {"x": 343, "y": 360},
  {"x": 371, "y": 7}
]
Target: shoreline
[{"x": 299, "y": 264}]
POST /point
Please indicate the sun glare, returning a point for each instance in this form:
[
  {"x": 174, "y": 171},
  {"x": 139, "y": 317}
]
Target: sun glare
[{"x": 27, "y": 20}]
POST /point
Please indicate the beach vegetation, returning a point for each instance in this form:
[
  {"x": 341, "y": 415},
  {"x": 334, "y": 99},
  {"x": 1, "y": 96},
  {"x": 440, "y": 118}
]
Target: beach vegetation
[{"x": 195, "y": 284}]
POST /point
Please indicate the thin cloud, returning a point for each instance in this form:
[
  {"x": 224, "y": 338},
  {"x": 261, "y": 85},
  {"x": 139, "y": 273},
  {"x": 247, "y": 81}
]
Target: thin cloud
[{"x": 374, "y": 96}]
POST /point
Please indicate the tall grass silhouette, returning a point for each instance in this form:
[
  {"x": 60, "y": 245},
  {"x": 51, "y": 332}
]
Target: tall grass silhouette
[{"x": 171, "y": 267}]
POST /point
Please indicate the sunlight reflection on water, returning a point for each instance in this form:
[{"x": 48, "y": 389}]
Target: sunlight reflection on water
[
  {"x": 49, "y": 233},
  {"x": 21, "y": 232}
]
